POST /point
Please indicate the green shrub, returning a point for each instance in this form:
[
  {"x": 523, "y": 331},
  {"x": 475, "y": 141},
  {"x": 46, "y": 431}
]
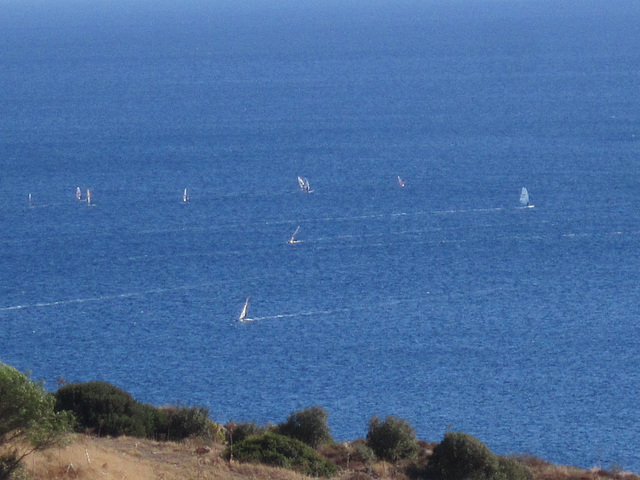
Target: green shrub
[
  {"x": 27, "y": 418},
  {"x": 99, "y": 406},
  {"x": 280, "y": 451},
  {"x": 11, "y": 468},
  {"x": 308, "y": 426},
  {"x": 511, "y": 469},
  {"x": 392, "y": 440},
  {"x": 460, "y": 457},
  {"x": 185, "y": 422},
  {"x": 108, "y": 410},
  {"x": 463, "y": 457},
  {"x": 153, "y": 421},
  {"x": 241, "y": 431}
]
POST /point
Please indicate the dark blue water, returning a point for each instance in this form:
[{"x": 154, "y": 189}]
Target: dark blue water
[{"x": 443, "y": 302}]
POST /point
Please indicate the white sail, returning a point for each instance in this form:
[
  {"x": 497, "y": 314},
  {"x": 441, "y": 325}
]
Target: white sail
[
  {"x": 304, "y": 185},
  {"x": 185, "y": 196},
  {"x": 78, "y": 194},
  {"x": 245, "y": 311},
  {"x": 400, "y": 182},
  {"x": 293, "y": 238},
  {"x": 524, "y": 197},
  {"x": 88, "y": 197},
  {"x": 30, "y": 201}
]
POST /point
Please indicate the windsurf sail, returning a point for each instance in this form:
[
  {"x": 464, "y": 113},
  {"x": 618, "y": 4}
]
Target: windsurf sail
[
  {"x": 245, "y": 311},
  {"x": 304, "y": 185},
  {"x": 293, "y": 238},
  {"x": 524, "y": 197}
]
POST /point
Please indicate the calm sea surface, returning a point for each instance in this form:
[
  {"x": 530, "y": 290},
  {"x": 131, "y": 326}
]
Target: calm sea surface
[{"x": 444, "y": 303}]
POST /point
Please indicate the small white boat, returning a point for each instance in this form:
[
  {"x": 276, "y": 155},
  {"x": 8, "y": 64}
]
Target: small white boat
[
  {"x": 293, "y": 240},
  {"x": 245, "y": 311},
  {"x": 78, "y": 194},
  {"x": 185, "y": 196},
  {"x": 524, "y": 198},
  {"x": 401, "y": 182},
  {"x": 304, "y": 185}
]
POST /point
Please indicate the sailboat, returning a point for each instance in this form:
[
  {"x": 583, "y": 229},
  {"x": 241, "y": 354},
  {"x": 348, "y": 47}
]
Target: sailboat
[
  {"x": 524, "y": 198},
  {"x": 293, "y": 239},
  {"x": 78, "y": 194},
  {"x": 400, "y": 182},
  {"x": 245, "y": 310},
  {"x": 30, "y": 201},
  {"x": 185, "y": 196},
  {"x": 304, "y": 185},
  {"x": 89, "y": 198}
]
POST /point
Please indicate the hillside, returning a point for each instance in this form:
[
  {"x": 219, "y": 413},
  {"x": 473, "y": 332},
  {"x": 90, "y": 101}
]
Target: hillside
[{"x": 89, "y": 458}]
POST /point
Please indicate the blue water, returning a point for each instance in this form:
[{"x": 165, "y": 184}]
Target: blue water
[{"x": 443, "y": 302}]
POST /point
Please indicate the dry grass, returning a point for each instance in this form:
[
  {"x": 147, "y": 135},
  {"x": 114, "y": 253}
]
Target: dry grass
[
  {"x": 91, "y": 458},
  {"x": 543, "y": 470}
]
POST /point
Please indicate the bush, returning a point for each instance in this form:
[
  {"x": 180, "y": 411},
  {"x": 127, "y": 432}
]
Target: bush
[
  {"x": 280, "y": 451},
  {"x": 109, "y": 410},
  {"x": 153, "y": 421},
  {"x": 99, "y": 406},
  {"x": 241, "y": 431},
  {"x": 511, "y": 469},
  {"x": 308, "y": 426},
  {"x": 392, "y": 440},
  {"x": 463, "y": 457},
  {"x": 27, "y": 417},
  {"x": 185, "y": 422},
  {"x": 11, "y": 468}
]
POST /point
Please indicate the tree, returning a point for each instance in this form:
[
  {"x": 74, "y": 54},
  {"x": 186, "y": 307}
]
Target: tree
[
  {"x": 392, "y": 440},
  {"x": 308, "y": 426},
  {"x": 27, "y": 418}
]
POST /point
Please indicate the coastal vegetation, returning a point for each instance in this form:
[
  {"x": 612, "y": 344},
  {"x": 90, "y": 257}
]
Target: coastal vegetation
[{"x": 86, "y": 429}]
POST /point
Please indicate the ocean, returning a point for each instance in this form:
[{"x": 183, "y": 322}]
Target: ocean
[{"x": 444, "y": 302}]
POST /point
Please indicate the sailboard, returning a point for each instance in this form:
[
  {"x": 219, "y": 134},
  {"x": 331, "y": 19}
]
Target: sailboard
[
  {"x": 185, "y": 196},
  {"x": 293, "y": 239},
  {"x": 401, "y": 182},
  {"x": 245, "y": 311},
  {"x": 304, "y": 185},
  {"x": 524, "y": 198},
  {"x": 78, "y": 194}
]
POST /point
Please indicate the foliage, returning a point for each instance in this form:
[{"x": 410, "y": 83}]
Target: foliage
[
  {"x": 241, "y": 431},
  {"x": 349, "y": 456},
  {"x": 511, "y": 469},
  {"x": 184, "y": 422},
  {"x": 280, "y": 451},
  {"x": 26, "y": 415},
  {"x": 308, "y": 426},
  {"x": 109, "y": 410},
  {"x": 463, "y": 457},
  {"x": 392, "y": 440},
  {"x": 101, "y": 407}
]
